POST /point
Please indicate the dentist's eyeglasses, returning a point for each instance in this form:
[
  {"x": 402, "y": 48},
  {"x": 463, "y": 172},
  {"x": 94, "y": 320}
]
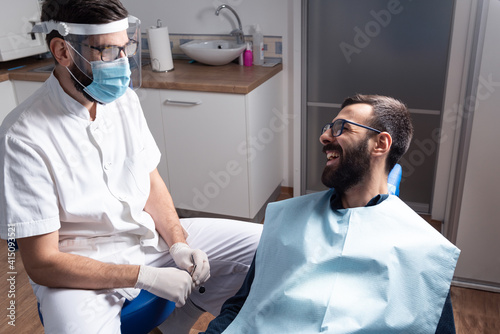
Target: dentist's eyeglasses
[
  {"x": 112, "y": 52},
  {"x": 338, "y": 126}
]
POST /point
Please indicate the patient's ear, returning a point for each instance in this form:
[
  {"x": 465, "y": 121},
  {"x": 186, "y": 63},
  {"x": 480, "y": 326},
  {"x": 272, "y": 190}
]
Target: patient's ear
[{"x": 383, "y": 143}]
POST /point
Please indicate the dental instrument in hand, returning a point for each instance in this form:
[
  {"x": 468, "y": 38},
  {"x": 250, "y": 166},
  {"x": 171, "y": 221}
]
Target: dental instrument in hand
[{"x": 201, "y": 288}]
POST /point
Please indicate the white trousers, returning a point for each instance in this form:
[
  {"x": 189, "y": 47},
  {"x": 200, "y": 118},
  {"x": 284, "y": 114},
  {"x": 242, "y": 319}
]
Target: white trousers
[{"x": 229, "y": 244}]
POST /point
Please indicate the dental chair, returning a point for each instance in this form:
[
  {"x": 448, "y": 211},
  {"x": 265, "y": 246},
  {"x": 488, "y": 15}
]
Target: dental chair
[{"x": 394, "y": 179}]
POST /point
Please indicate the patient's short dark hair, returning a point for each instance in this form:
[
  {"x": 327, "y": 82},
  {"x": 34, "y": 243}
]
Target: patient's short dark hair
[{"x": 392, "y": 116}]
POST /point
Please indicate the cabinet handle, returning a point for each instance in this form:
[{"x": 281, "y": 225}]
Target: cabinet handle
[{"x": 183, "y": 103}]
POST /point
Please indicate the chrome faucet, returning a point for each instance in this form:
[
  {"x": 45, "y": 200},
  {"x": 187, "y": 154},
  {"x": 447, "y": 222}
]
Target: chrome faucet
[{"x": 238, "y": 33}]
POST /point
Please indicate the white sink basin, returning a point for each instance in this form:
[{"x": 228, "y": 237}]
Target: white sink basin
[{"x": 216, "y": 52}]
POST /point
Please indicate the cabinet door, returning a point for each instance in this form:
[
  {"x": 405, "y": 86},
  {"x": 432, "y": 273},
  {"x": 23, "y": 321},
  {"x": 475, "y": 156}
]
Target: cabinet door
[
  {"x": 25, "y": 89},
  {"x": 266, "y": 126},
  {"x": 8, "y": 99},
  {"x": 151, "y": 106},
  {"x": 203, "y": 132}
]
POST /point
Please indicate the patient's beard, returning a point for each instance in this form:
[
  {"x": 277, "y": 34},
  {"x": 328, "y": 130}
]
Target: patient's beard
[{"x": 353, "y": 166}]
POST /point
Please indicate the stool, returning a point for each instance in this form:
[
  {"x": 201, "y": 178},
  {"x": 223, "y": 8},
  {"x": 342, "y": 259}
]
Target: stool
[{"x": 142, "y": 314}]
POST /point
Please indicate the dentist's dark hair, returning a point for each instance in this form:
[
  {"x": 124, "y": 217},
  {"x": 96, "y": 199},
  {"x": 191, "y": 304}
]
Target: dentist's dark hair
[
  {"x": 81, "y": 11},
  {"x": 391, "y": 116}
]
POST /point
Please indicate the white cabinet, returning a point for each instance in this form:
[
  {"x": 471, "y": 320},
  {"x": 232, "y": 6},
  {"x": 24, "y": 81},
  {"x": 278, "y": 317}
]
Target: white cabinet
[
  {"x": 13, "y": 92},
  {"x": 7, "y": 97},
  {"x": 203, "y": 135},
  {"x": 24, "y": 89},
  {"x": 151, "y": 105},
  {"x": 222, "y": 151}
]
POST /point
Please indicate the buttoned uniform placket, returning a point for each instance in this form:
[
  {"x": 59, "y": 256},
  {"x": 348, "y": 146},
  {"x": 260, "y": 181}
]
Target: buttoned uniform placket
[
  {"x": 122, "y": 166},
  {"x": 101, "y": 131}
]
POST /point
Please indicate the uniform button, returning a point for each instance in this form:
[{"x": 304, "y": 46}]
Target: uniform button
[{"x": 107, "y": 165}]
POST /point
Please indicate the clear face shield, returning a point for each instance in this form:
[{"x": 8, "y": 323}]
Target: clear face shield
[
  {"x": 104, "y": 43},
  {"x": 134, "y": 33}
]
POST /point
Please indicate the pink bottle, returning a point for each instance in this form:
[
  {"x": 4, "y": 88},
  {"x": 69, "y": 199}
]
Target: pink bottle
[{"x": 248, "y": 56}]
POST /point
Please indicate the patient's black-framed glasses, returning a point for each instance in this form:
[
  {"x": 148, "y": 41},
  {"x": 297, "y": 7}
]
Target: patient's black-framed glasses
[
  {"x": 112, "y": 52},
  {"x": 338, "y": 126}
]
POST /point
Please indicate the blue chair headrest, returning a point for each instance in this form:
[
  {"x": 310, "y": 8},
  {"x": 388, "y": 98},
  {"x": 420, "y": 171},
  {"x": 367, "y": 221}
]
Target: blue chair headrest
[{"x": 394, "y": 179}]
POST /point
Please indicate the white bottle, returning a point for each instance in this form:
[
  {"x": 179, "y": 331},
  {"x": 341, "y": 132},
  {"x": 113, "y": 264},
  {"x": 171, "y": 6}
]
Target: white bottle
[{"x": 258, "y": 46}]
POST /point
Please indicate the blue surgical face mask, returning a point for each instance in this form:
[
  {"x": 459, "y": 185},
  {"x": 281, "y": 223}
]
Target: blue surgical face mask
[{"x": 110, "y": 80}]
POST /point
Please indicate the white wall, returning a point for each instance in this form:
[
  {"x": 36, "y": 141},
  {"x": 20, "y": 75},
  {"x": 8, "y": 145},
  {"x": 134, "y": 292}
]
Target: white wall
[{"x": 198, "y": 17}]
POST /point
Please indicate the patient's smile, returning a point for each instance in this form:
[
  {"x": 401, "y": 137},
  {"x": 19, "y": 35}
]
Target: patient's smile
[{"x": 332, "y": 156}]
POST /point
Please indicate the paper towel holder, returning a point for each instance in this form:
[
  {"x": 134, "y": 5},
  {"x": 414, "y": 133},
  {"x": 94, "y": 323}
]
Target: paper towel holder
[{"x": 156, "y": 64}]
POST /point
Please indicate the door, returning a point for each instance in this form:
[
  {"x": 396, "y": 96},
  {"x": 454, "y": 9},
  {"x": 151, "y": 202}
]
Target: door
[{"x": 386, "y": 47}]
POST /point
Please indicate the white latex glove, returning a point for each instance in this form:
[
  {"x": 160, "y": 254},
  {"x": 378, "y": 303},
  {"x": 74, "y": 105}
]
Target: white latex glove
[
  {"x": 186, "y": 258},
  {"x": 169, "y": 283}
]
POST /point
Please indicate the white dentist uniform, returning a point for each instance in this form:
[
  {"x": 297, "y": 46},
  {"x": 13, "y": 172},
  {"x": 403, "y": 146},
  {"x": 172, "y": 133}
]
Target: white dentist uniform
[{"x": 90, "y": 181}]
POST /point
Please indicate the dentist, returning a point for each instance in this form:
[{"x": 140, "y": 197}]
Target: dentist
[{"x": 94, "y": 220}]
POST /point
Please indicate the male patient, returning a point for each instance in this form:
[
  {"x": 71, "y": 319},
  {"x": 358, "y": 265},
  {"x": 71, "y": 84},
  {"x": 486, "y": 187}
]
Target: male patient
[
  {"x": 93, "y": 218},
  {"x": 352, "y": 259}
]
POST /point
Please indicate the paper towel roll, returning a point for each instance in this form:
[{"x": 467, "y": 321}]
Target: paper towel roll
[{"x": 159, "y": 49}]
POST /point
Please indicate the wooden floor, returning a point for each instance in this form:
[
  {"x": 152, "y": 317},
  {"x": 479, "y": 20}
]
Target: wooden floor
[{"x": 476, "y": 312}]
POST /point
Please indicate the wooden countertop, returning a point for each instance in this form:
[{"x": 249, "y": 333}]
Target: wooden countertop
[
  {"x": 19, "y": 69},
  {"x": 230, "y": 78}
]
